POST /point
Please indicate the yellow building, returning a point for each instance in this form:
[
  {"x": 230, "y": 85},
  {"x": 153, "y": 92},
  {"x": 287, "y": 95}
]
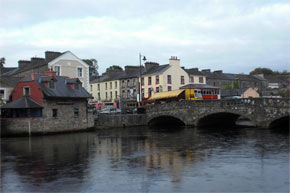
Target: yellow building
[
  {"x": 160, "y": 78},
  {"x": 106, "y": 90}
]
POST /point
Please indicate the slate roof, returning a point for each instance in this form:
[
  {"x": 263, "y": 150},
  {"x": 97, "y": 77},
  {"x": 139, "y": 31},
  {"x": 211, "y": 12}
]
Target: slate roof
[
  {"x": 62, "y": 89},
  {"x": 22, "y": 103},
  {"x": 198, "y": 86},
  {"x": 194, "y": 72},
  {"x": 229, "y": 76},
  {"x": 5, "y": 70},
  {"x": 24, "y": 68},
  {"x": 9, "y": 81},
  {"x": 156, "y": 69}
]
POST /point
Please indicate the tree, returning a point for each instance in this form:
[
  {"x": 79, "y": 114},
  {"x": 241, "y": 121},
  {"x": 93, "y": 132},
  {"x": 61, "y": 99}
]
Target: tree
[
  {"x": 228, "y": 87},
  {"x": 265, "y": 71},
  {"x": 2, "y": 62},
  {"x": 93, "y": 66},
  {"x": 236, "y": 84},
  {"x": 113, "y": 68}
]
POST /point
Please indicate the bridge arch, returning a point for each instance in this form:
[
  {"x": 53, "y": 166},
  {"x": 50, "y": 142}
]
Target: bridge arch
[
  {"x": 282, "y": 122},
  {"x": 218, "y": 119},
  {"x": 165, "y": 120}
]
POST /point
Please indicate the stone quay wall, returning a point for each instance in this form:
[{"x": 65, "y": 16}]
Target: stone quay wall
[{"x": 119, "y": 120}]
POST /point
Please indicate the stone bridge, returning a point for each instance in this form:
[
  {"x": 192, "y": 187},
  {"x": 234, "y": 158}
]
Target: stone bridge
[{"x": 262, "y": 112}]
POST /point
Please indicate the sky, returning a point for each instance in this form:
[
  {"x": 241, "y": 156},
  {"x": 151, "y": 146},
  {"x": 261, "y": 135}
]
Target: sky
[{"x": 235, "y": 36}]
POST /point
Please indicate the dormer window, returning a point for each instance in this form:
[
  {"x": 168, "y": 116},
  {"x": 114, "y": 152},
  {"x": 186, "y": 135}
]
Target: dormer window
[
  {"x": 51, "y": 84},
  {"x": 26, "y": 91}
]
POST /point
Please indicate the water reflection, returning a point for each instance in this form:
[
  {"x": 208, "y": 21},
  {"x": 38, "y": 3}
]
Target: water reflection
[{"x": 146, "y": 160}]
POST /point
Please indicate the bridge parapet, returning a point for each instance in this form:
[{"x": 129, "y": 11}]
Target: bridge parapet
[{"x": 262, "y": 111}]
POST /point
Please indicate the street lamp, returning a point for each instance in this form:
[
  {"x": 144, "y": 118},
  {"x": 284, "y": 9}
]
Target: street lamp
[{"x": 140, "y": 84}]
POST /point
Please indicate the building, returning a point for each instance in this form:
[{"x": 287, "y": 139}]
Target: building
[
  {"x": 240, "y": 93},
  {"x": 106, "y": 89},
  {"x": 195, "y": 76},
  {"x": 7, "y": 84},
  {"x": 159, "y": 78},
  {"x": 44, "y": 103},
  {"x": 64, "y": 64},
  {"x": 68, "y": 64},
  {"x": 228, "y": 80}
]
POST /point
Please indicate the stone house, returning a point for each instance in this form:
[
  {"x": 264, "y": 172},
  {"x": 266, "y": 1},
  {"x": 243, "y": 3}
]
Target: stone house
[{"x": 45, "y": 103}]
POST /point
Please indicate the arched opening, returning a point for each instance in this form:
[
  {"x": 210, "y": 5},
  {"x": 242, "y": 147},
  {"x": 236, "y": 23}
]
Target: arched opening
[
  {"x": 165, "y": 122},
  {"x": 218, "y": 120},
  {"x": 281, "y": 124}
]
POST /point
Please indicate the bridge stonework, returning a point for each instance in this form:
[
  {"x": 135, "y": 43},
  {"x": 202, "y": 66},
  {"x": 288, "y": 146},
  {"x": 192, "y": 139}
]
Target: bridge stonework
[{"x": 261, "y": 111}]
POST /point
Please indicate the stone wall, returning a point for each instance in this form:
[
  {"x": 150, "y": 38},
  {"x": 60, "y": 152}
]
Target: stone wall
[
  {"x": 66, "y": 121},
  {"x": 120, "y": 120}
]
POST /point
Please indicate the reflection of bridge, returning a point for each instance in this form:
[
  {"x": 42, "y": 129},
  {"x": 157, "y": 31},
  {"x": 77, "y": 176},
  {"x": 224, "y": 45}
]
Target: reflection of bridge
[{"x": 263, "y": 112}]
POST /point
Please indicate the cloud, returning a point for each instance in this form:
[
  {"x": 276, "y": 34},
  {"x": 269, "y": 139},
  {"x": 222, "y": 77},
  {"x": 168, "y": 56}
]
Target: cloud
[{"x": 236, "y": 36}]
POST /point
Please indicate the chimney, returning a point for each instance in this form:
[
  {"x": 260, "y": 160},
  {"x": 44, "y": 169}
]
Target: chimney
[
  {"x": 218, "y": 71},
  {"x": 49, "y": 55},
  {"x": 50, "y": 73},
  {"x": 174, "y": 61},
  {"x": 37, "y": 61},
  {"x": 206, "y": 70},
  {"x": 194, "y": 69},
  {"x": 149, "y": 65},
  {"x": 22, "y": 63}
]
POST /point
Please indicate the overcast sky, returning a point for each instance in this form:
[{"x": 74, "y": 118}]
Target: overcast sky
[{"x": 232, "y": 35}]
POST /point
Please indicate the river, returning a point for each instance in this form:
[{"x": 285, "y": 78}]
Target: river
[{"x": 148, "y": 160}]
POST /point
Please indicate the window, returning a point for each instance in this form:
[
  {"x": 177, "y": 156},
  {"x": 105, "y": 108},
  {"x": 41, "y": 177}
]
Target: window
[
  {"x": 116, "y": 85},
  {"x": 213, "y": 83},
  {"x": 169, "y": 79},
  {"x": 26, "y": 91},
  {"x": 80, "y": 72},
  {"x": 111, "y": 95},
  {"x": 182, "y": 80},
  {"x": 149, "y": 92},
  {"x": 51, "y": 84},
  {"x": 111, "y": 85},
  {"x": 2, "y": 93},
  {"x": 149, "y": 80},
  {"x": 106, "y": 86},
  {"x": 106, "y": 95},
  {"x": 142, "y": 81},
  {"x": 169, "y": 88},
  {"x": 76, "y": 112},
  {"x": 191, "y": 79},
  {"x": 57, "y": 70},
  {"x": 98, "y": 86},
  {"x": 54, "y": 113},
  {"x": 200, "y": 79},
  {"x": 157, "y": 79},
  {"x": 157, "y": 89},
  {"x": 142, "y": 91},
  {"x": 91, "y": 88},
  {"x": 116, "y": 94}
]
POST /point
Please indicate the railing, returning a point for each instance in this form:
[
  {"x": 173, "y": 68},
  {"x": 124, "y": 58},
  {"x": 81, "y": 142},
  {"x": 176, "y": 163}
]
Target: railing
[{"x": 249, "y": 102}]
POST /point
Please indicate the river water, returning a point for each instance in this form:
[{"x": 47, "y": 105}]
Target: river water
[{"x": 147, "y": 160}]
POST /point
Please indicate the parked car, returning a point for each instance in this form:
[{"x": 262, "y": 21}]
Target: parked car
[{"x": 110, "y": 111}]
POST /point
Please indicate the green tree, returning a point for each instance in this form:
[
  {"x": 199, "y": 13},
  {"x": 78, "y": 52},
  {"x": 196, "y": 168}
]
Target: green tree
[
  {"x": 228, "y": 87},
  {"x": 93, "y": 66},
  {"x": 265, "y": 71},
  {"x": 236, "y": 84},
  {"x": 114, "y": 67}
]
